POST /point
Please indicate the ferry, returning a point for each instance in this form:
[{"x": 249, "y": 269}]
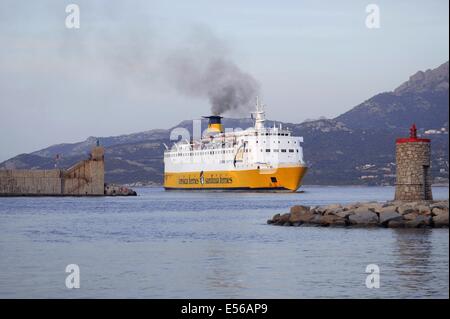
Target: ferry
[{"x": 259, "y": 158}]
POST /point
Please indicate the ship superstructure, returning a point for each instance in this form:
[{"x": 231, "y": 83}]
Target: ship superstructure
[{"x": 258, "y": 158}]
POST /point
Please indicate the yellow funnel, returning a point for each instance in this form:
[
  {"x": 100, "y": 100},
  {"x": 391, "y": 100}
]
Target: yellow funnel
[{"x": 214, "y": 124}]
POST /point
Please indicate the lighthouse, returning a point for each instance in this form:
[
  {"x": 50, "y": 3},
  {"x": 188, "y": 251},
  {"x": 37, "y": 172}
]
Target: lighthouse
[{"x": 413, "y": 158}]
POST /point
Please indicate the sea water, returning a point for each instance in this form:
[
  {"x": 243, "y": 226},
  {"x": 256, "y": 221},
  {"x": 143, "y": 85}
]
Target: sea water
[{"x": 211, "y": 245}]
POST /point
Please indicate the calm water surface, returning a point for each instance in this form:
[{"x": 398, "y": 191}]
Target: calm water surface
[{"x": 211, "y": 245}]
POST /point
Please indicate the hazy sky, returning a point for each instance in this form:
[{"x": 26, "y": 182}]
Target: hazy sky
[{"x": 112, "y": 76}]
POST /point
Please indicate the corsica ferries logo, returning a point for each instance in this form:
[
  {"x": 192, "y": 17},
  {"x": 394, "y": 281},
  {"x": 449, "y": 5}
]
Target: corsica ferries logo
[{"x": 202, "y": 180}]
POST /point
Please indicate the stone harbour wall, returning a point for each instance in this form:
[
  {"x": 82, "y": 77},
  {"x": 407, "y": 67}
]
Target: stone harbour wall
[
  {"x": 85, "y": 178},
  {"x": 30, "y": 181},
  {"x": 393, "y": 214}
]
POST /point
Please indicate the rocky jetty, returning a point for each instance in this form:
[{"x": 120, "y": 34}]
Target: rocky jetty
[
  {"x": 393, "y": 214},
  {"x": 118, "y": 190}
]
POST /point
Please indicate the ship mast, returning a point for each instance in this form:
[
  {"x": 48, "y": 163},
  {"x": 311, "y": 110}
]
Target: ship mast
[{"x": 259, "y": 115}]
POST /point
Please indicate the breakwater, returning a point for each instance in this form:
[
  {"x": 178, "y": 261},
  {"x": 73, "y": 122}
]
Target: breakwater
[
  {"x": 391, "y": 214},
  {"x": 85, "y": 178}
]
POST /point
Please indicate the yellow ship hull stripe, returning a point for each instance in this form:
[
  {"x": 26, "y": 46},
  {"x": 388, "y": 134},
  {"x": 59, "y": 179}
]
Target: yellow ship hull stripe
[{"x": 281, "y": 178}]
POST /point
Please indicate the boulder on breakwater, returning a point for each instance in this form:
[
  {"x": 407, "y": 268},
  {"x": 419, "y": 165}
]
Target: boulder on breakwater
[{"x": 392, "y": 214}]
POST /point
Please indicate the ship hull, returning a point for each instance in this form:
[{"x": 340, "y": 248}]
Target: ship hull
[{"x": 279, "y": 179}]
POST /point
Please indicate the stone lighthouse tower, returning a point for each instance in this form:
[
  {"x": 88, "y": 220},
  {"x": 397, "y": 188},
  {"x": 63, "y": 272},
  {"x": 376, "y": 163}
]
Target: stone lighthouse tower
[{"x": 413, "y": 156}]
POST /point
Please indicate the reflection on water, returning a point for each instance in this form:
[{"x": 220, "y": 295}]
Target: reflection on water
[
  {"x": 414, "y": 253},
  {"x": 219, "y": 273},
  {"x": 211, "y": 245},
  {"x": 415, "y": 262}
]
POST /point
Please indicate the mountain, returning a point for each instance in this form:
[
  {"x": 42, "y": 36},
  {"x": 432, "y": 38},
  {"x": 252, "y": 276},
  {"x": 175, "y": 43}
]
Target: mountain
[
  {"x": 357, "y": 147},
  {"x": 422, "y": 99},
  {"x": 429, "y": 81}
]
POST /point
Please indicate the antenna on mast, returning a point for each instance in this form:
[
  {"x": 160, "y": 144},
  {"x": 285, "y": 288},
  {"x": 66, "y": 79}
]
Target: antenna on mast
[{"x": 260, "y": 116}]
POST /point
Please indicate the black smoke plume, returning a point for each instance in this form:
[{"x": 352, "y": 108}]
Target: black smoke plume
[{"x": 204, "y": 69}]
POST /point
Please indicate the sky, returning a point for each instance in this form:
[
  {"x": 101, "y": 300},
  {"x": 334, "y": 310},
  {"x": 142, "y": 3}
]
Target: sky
[{"x": 116, "y": 73}]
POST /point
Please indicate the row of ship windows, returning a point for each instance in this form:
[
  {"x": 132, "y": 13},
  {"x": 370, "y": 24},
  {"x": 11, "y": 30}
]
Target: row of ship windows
[
  {"x": 281, "y": 150},
  {"x": 268, "y": 150},
  {"x": 275, "y": 134},
  {"x": 199, "y": 153},
  {"x": 278, "y": 142}
]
